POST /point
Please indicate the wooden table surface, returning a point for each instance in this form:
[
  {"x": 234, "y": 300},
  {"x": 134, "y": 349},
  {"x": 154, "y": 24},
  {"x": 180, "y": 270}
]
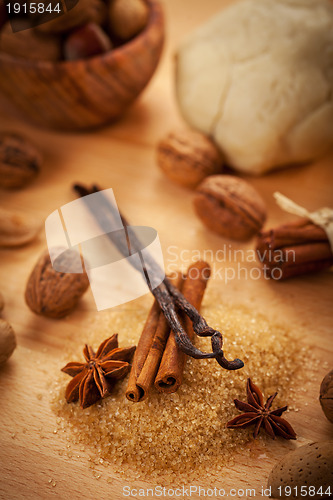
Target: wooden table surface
[{"x": 122, "y": 156}]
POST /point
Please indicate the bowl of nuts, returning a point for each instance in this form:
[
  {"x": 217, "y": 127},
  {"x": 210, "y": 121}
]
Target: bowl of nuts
[{"x": 83, "y": 68}]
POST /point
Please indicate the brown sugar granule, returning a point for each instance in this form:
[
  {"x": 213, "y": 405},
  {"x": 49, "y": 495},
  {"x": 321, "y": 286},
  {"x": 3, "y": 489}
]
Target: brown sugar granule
[{"x": 183, "y": 435}]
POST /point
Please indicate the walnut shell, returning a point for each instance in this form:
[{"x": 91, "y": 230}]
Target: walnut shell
[
  {"x": 52, "y": 293},
  {"x": 230, "y": 207},
  {"x": 7, "y": 341},
  {"x": 19, "y": 161},
  {"x": 127, "y": 18},
  {"x": 187, "y": 157},
  {"x": 326, "y": 395}
]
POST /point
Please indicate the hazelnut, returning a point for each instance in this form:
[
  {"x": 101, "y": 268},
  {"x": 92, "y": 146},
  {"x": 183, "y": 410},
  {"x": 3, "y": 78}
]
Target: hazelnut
[
  {"x": 326, "y": 395},
  {"x": 187, "y": 157},
  {"x": 19, "y": 161},
  {"x": 52, "y": 293},
  {"x": 127, "y": 18},
  {"x": 87, "y": 41},
  {"x": 7, "y": 341},
  {"x": 83, "y": 12},
  {"x": 230, "y": 207},
  {"x": 29, "y": 44}
]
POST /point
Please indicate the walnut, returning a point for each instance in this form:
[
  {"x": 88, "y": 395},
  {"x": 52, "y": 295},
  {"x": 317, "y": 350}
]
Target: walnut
[
  {"x": 187, "y": 157},
  {"x": 52, "y": 293},
  {"x": 7, "y": 341},
  {"x": 230, "y": 207},
  {"x": 19, "y": 161},
  {"x": 127, "y": 18},
  {"x": 326, "y": 395}
]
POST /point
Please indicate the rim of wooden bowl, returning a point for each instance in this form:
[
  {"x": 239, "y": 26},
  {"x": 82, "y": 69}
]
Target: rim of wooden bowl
[{"x": 155, "y": 16}]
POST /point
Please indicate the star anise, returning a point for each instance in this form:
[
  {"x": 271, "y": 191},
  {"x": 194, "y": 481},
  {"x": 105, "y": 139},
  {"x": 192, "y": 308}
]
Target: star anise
[
  {"x": 259, "y": 414},
  {"x": 95, "y": 379}
]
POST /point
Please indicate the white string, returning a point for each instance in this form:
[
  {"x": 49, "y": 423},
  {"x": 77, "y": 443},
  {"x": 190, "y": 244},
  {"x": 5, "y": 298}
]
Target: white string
[{"x": 322, "y": 217}]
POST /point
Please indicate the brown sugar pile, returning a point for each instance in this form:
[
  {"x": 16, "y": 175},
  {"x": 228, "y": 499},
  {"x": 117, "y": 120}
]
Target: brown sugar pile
[{"x": 184, "y": 434}]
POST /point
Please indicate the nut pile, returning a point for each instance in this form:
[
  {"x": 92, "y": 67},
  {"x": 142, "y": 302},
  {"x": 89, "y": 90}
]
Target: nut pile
[{"x": 91, "y": 28}]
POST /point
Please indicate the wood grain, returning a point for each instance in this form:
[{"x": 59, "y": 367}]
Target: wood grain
[
  {"x": 82, "y": 94},
  {"x": 122, "y": 156}
]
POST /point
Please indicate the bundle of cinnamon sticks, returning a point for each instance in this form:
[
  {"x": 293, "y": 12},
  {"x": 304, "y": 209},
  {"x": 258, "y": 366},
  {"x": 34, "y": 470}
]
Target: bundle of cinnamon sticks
[
  {"x": 158, "y": 360},
  {"x": 292, "y": 249}
]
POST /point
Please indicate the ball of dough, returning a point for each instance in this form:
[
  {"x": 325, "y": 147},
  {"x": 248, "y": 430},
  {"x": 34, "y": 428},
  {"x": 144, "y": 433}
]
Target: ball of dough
[{"x": 258, "y": 77}]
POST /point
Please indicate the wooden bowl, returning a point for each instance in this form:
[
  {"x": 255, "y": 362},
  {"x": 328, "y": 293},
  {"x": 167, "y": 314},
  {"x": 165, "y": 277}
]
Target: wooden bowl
[{"x": 74, "y": 95}]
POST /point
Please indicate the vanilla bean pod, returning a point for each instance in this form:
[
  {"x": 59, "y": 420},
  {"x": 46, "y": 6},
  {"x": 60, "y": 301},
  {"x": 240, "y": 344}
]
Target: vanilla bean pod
[{"x": 168, "y": 297}]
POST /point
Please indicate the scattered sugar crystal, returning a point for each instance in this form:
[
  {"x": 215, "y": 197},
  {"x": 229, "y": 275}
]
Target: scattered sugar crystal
[{"x": 184, "y": 435}]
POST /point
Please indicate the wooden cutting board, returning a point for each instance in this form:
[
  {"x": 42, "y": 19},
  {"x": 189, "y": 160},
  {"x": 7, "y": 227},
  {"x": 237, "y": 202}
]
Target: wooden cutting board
[{"x": 122, "y": 156}]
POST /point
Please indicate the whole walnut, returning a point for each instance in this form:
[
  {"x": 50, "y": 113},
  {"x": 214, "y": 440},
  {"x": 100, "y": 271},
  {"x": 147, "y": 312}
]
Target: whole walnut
[
  {"x": 230, "y": 207},
  {"x": 326, "y": 395},
  {"x": 54, "y": 293},
  {"x": 187, "y": 157}
]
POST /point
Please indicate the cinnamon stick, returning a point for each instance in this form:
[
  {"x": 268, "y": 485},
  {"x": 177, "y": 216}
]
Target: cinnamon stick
[
  {"x": 170, "y": 373},
  {"x": 296, "y": 248},
  {"x": 171, "y": 300},
  {"x": 149, "y": 351}
]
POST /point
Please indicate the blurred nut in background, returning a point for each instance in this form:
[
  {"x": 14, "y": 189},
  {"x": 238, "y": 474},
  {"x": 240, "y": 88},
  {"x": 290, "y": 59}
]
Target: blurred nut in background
[
  {"x": 87, "y": 41},
  {"x": 17, "y": 228},
  {"x": 52, "y": 293},
  {"x": 187, "y": 157},
  {"x": 20, "y": 161},
  {"x": 326, "y": 395},
  {"x": 29, "y": 44},
  {"x": 230, "y": 207},
  {"x": 7, "y": 341},
  {"x": 127, "y": 17},
  {"x": 84, "y": 12}
]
